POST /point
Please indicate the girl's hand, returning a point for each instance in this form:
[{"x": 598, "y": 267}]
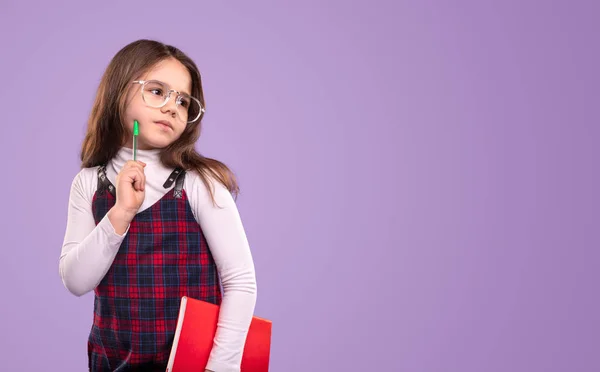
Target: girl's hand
[{"x": 131, "y": 183}]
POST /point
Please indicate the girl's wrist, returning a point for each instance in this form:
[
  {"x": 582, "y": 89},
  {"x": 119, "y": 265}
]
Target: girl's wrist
[{"x": 120, "y": 219}]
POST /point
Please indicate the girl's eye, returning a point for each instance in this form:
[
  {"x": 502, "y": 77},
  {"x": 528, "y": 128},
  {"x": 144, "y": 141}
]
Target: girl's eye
[
  {"x": 157, "y": 92},
  {"x": 184, "y": 102}
]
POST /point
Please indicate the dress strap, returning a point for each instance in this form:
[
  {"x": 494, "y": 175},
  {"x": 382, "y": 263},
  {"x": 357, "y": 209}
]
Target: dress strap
[
  {"x": 177, "y": 176},
  {"x": 103, "y": 182}
]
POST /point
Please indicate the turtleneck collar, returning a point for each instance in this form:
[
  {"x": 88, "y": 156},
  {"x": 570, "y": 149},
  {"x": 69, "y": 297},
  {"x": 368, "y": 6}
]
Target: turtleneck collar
[
  {"x": 150, "y": 157},
  {"x": 156, "y": 173},
  {"x": 147, "y": 156}
]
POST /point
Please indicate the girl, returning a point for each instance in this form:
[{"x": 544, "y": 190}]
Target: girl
[{"x": 141, "y": 234}]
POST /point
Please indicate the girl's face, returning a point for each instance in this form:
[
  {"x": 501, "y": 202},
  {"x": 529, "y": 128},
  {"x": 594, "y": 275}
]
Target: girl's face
[{"x": 158, "y": 127}]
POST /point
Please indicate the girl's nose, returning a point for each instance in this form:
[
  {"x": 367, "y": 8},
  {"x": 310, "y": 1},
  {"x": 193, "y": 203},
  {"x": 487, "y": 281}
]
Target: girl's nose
[{"x": 171, "y": 105}]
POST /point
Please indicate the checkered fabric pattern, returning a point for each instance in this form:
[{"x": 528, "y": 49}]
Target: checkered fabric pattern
[{"x": 163, "y": 257}]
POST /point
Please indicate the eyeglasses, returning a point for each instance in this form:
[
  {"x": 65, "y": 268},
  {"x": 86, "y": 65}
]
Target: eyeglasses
[{"x": 156, "y": 94}]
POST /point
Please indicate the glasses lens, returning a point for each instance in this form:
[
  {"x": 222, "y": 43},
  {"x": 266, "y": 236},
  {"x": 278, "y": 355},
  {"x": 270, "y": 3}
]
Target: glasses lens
[
  {"x": 154, "y": 93},
  {"x": 188, "y": 108}
]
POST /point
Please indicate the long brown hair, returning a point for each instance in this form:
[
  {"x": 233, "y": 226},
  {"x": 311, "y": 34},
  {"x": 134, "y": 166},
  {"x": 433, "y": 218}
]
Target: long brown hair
[{"x": 106, "y": 133}]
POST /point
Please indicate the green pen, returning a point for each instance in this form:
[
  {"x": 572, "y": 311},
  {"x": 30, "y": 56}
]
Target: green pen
[{"x": 136, "y": 132}]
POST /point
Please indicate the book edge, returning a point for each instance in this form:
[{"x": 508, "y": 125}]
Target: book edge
[{"x": 177, "y": 334}]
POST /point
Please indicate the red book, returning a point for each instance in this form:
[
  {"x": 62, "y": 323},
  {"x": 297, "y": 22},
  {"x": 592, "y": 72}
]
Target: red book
[{"x": 195, "y": 333}]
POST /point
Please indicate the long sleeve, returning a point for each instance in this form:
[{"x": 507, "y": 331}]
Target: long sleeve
[
  {"x": 88, "y": 250},
  {"x": 227, "y": 240}
]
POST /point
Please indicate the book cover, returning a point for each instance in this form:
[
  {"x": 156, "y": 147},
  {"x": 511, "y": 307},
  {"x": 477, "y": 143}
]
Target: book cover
[{"x": 195, "y": 333}]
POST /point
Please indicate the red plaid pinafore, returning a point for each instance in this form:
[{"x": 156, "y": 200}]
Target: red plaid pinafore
[{"x": 163, "y": 257}]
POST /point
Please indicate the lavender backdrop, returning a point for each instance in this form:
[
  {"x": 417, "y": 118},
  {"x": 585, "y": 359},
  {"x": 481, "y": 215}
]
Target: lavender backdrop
[{"x": 419, "y": 179}]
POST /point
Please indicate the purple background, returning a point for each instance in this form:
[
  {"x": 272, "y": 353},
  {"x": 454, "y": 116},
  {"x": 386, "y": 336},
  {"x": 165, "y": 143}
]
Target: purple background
[{"x": 419, "y": 179}]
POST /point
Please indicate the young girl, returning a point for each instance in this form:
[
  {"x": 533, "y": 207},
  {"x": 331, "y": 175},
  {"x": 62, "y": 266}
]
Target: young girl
[{"x": 141, "y": 234}]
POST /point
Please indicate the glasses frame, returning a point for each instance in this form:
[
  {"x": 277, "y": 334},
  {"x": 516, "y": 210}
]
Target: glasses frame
[{"x": 168, "y": 95}]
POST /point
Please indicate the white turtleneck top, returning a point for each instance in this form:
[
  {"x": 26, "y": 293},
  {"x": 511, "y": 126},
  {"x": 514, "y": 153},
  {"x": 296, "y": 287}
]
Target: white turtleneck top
[{"x": 88, "y": 249}]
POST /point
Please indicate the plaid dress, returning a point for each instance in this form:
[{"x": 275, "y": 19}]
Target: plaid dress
[{"x": 163, "y": 257}]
